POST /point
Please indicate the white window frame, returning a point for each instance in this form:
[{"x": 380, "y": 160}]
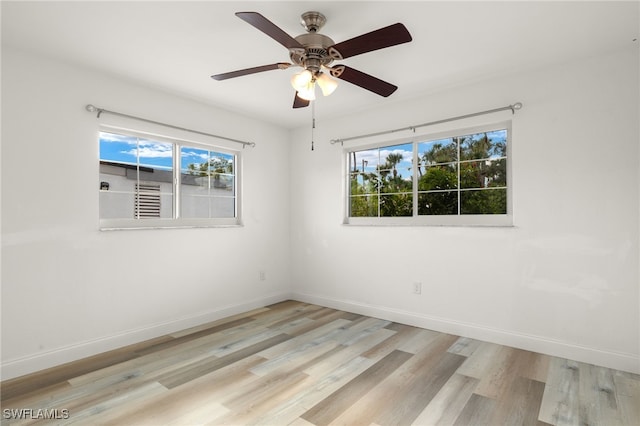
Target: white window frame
[
  {"x": 497, "y": 220},
  {"x": 177, "y": 221}
]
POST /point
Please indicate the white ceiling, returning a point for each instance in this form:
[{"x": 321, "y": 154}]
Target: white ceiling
[{"x": 177, "y": 46}]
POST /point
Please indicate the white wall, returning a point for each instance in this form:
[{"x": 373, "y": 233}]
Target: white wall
[
  {"x": 563, "y": 280},
  {"x": 69, "y": 290}
]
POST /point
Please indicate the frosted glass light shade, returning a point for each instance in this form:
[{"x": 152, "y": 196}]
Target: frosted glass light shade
[
  {"x": 301, "y": 80},
  {"x": 327, "y": 84},
  {"x": 308, "y": 93}
]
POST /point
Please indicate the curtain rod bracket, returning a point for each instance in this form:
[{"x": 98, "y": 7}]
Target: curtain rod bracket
[
  {"x": 93, "y": 108},
  {"x": 515, "y": 107}
]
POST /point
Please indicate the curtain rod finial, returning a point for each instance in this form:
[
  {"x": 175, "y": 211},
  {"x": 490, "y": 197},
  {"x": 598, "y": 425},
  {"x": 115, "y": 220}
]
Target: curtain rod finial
[
  {"x": 91, "y": 108},
  {"x": 517, "y": 105}
]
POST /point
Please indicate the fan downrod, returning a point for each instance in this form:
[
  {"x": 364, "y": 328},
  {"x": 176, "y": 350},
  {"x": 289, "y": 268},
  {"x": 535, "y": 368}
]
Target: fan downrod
[{"x": 312, "y": 21}]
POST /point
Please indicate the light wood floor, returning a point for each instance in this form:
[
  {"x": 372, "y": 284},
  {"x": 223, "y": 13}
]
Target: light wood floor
[{"x": 300, "y": 364}]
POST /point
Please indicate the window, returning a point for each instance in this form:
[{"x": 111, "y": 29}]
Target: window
[
  {"x": 157, "y": 182},
  {"x": 446, "y": 179}
]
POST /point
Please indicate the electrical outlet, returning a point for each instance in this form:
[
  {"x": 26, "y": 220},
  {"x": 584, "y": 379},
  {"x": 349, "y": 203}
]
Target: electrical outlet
[
  {"x": 263, "y": 276},
  {"x": 417, "y": 288}
]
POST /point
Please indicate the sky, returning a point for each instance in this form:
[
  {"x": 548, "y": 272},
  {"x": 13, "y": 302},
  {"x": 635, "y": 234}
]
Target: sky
[{"x": 124, "y": 149}]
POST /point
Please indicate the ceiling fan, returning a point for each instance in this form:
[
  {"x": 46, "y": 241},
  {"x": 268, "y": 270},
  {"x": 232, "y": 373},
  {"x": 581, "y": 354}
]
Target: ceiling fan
[{"x": 315, "y": 52}]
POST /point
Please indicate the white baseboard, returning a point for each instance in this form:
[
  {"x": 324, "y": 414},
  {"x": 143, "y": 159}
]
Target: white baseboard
[
  {"x": 58, "y": 356},
  {"x": 610, "y": 359}
]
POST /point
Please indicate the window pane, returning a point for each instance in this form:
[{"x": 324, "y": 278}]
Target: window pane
[
  {"x": 155, "y": 155},
  {"x": 364, "y": 161},
  {"x": 487, "y": 201},
  {"x": 438, "y": 152},
  {"x": 116, "y": 204},
  {"x": 194, "y": 161},
  {"x": 441, "y": 177},
  {"x": 118, "y": 148},
  {"x": 395, "y": 163},
  {"x": 363, "y": 206},
  {"x": 483, "y": 145},
  {"x": 207, "y": 183},
  {"x": 483, "y": 174},
  {"x": 438, "y": 203},
  {"x": 222, "y": 184},
  {"x": 195, "y": 181},
  {"x": 396, "y": 205},
  {"x": 222, "y": 206},
  {"x": 364, "y": 183},
  {"x": 136, "y": 178}
]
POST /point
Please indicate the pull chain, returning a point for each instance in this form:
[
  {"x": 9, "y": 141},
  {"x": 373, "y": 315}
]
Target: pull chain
[{"x": 313, "y": 122}]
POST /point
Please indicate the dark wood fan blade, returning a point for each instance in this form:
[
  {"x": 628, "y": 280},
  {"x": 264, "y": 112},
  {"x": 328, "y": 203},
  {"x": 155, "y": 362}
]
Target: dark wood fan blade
[
  {"x": 270, "y": 29},
  {"x": 363, "y": 80},
  {"x": 379, "y": 39},
  {"x": 298, "y": 102},
  {"x": 247, "y": 71}
]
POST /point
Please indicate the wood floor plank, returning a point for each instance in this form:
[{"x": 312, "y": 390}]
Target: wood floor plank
[
  {"x": 300, "y": 314},
  {"x": 388, "y": 394},
  {"x": 419, "y": 341},
  {"x": 195, "y": 335},
  {"x": 191, "y": 372},
  {"x": 481, "y": 361},
  {"x": 560, "y": 401},
  {"x": 321, "y": 333},
  {"x": 465, "y": 346},
  {"x": 477, "y": 412},
  {"x": 401, "y": 334},
  {"x": 520, "y": 405},
  {"x": 598, "y": 399},
  {"x": 446, "y": 405},
  {"x": 413, "y": 398},
  {"x": 510, "y": 364},
  {"x": 263, "y": 395},
  {"x": 193, "y": 397},
  {"x": 329, "y": 408},
  {"x": 628, "y": 393},
  {"x": 345, "y": 353},
  {"x": 318, "y": 389},
  {"x": 132, "y": 397}
]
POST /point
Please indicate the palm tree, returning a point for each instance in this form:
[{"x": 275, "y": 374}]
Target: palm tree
[{"x": 393, "y": 160}]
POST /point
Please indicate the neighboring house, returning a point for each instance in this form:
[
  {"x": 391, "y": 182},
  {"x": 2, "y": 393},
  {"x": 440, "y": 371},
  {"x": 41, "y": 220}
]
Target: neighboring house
[{"x": 127, "y": 191}]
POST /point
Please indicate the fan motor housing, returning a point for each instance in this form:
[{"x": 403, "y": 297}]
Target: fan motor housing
[{"x": 315, "y": 53}]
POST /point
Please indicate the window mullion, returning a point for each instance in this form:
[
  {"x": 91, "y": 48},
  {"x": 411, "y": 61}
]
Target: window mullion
[
  {"x": 416, "y": 174},
  {"x": 209, "y": 176},
  {"x": 137, "y": 185},
  {"x": 458, "y": 167},
  {"x": 379, "y": 177},
  {"x": 177, "y": 175}
]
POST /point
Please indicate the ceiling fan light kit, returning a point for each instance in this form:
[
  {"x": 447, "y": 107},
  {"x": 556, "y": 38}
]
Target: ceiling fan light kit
[{"x": 314, "y": 52}]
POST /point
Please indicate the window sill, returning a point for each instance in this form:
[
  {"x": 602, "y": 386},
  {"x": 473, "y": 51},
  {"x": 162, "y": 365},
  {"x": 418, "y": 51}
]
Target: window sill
[
  {"x": 498, "y": 221},
  {"x": 143, "y": 224}
]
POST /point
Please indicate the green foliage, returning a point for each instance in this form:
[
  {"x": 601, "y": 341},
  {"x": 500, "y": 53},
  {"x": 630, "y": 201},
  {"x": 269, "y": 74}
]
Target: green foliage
[{"x": 215, "y": 165}]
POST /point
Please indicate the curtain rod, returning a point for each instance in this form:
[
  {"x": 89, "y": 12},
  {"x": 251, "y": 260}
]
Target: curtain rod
[
  {"x": 100, "y": 111},
  {"x": 513, "y": 109}
]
